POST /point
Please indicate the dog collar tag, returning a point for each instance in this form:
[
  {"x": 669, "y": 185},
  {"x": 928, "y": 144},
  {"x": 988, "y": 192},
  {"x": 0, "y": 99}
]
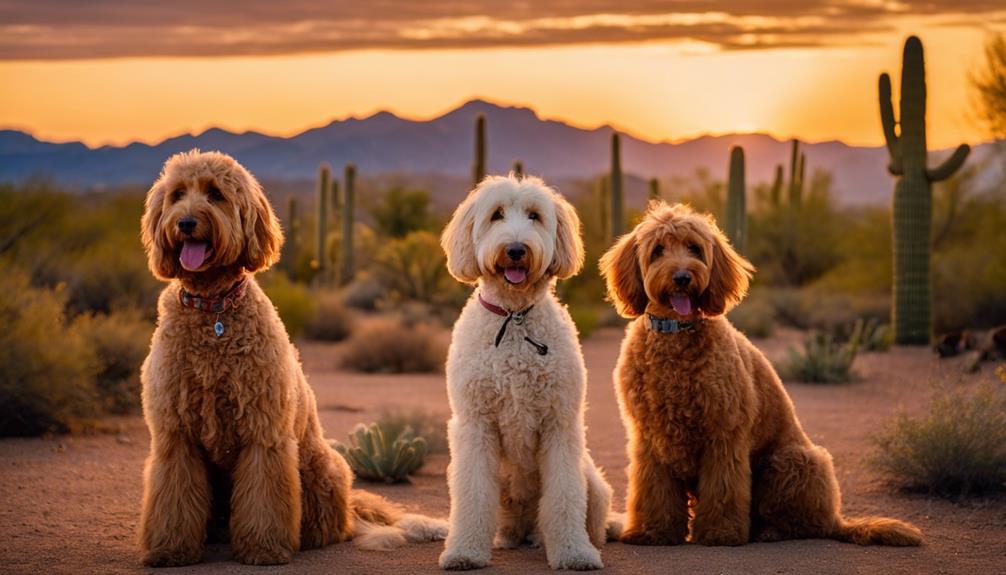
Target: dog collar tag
[{"x": 218, "y": 328}]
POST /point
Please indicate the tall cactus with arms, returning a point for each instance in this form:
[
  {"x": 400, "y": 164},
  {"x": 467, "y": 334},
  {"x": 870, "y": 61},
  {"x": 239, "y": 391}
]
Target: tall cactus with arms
[
  {"x": 346, "y": 265},
  {"x": 479, "y": 165},
  {"x": 617, "y": 201},
  {"x": 913, "y": 195},
  {"x": 737, "y": 216}
]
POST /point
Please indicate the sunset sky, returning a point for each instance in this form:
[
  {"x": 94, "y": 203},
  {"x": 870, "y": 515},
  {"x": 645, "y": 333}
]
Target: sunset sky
[{"x": 114, "y": 71}]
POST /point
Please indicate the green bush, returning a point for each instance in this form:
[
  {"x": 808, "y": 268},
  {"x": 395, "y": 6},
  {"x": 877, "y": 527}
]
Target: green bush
[
  {"x": 957, "y": 448},
  {"x": 386, "y": 345},
  {"x": 822, "y": 360},
  {"x": 47, "y": 368},
  {"x": 121, "y": 341},
  {"x": 377, "y": 455},
  {"x": 429, "y": 425},
  {"x": 414, "y": 268},
  {"x": 401, "y": 212},
  {"x": 586, "y": 317},
  {"x": 331, "y": 320},
  {"x": 293, "y": 301}
]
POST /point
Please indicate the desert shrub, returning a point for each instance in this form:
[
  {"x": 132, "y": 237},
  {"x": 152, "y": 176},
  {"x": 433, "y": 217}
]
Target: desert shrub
[
  {"x": 429, "y": 425},
  {"x": 47, "y": 368},
  {"x": 414, "y": 268},
  {"x": 874, "y": 335},
  {"x": 331, "y": 320},
  {"x": 957, "y": 448},
  {"x": 376, "y": 455},
  {"x": 386, "y": 345},
  {"x": 293, "y": 301},
  {"x": 586, "y": 317},
  {"x": 822, "y": 360},
  {"x": 363, "y": 293},
  {"x": 400, "y": 212},
  {"x": 755, "y": 316},
  {"x": 121, "y": 341}
]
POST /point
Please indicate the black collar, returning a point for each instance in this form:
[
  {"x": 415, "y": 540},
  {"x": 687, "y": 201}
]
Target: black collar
[
  {"x": 517, "y": 317},
  {"x": 668, "y": 325}
]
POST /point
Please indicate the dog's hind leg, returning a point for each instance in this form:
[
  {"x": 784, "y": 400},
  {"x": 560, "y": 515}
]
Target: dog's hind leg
[{"x": 325, "y": 486}]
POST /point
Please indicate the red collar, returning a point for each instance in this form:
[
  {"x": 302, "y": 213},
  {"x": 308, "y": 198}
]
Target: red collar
[
  {"x": 215, "y": 304},
  {"x": 493, "y": 307}
]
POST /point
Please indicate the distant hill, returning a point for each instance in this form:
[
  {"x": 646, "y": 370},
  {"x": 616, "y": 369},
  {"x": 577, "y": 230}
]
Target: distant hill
[{"x": 438, "y": 152}]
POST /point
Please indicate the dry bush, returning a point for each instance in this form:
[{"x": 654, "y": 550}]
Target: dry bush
[
  {"x": 331, "y": 320},
  {"x": 121, "y": 341},
  {"x": 957, "y": 448},
  {"x": 822, "y": 360},
  {"x": 293, "y": 301},
  {"x": 386, "y": 345}
]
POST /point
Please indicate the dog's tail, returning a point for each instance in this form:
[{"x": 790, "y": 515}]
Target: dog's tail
[
  {"x": 380, "y": 525},
  {"x": 878, "y": 531}
]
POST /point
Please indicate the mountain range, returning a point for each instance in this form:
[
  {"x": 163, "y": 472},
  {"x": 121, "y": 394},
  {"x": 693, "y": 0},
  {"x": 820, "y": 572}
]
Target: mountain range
[{"x": 438, "y": 153}]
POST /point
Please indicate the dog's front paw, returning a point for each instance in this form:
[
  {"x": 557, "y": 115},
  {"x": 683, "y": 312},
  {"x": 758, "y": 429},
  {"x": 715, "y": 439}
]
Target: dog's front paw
[
  {"x": 636, "y": 536},
  {"x": 172, "y": 557},
  {"x": 463, "y": 560},
  {"x": 260, "y": 554},
  {"x": 585, "y": 559}
]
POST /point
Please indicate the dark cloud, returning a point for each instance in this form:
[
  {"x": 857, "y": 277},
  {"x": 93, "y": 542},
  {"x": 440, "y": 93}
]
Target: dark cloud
[{"x": 75, "y": 29}]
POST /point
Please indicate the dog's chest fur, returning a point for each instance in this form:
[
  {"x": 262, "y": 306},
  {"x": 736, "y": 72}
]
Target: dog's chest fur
[
  {"x": 512, "y": 386},
  {"x": 680, "y": 396}
]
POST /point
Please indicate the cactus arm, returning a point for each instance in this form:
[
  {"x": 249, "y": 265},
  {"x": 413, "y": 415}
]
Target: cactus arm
[
  {"x": 888, "y": 122},
  {"x": 950, "y": 165}
]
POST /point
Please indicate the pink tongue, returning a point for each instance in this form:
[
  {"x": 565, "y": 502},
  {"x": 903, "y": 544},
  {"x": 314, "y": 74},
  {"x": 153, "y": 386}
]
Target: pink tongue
[
  {"x": 515, "y": 275},
  {"x": 192, "y": 256},
  {"x": 682, "y": 304}
]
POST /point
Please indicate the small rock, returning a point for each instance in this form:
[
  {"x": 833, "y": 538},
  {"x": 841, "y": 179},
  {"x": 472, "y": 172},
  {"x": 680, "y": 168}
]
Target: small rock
[{"x": 123, "y": 439}]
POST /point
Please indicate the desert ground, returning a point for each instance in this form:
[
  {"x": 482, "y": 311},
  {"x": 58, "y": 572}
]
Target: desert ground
[{"x": 70, "y": 504}]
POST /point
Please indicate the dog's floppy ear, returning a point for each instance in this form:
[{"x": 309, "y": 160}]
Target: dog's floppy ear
[
  {"x": 729, "y": 277},
  {"x": 620, "y": 269},
  {"x": 162, "y": 263},
  {"x": 458, "y": 243},
  {"x": 568, "y": 257},
  {"x": 263, "y": 234}
]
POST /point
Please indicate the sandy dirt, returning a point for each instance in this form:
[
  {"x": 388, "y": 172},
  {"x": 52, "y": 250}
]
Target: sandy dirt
[{"x": 70, "y": 504}]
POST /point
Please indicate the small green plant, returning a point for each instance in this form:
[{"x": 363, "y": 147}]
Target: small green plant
[
  {"x": 386, "y": 345},
  {"x": 875, "y": 336},
  {"x": 378, "y": 456},
  {"x": 955, "y": 449},
  {"x": 431, "y": 426},
  {"x": 823, "y": 359},
  {"x": 331, "y": 320}
]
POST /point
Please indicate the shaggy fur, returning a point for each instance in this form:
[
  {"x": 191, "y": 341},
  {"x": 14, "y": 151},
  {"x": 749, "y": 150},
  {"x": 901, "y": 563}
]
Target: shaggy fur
[
  {"x": 519, "y": 465},
  {"x": 711, "y": 428},
  {"x": 236, "y": 446}
]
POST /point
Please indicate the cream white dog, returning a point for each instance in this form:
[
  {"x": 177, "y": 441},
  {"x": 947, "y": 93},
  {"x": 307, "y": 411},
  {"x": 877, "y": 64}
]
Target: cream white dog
[{"x": 516, "y": 381}]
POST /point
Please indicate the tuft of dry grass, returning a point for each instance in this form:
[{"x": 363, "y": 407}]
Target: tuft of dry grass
[
  {"x": 955, "y": 449},
  {"x": 386, "y": 345}
]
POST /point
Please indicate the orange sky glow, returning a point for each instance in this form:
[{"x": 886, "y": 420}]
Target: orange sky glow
[{"x": 658, "y": 89}]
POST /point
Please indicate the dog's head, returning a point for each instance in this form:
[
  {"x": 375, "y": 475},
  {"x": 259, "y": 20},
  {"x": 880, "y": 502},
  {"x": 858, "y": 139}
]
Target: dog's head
[
  {"x": 207, "y": 211},
  {"x": 678, "y": 261},
  {"x": 517, "y": 232}
]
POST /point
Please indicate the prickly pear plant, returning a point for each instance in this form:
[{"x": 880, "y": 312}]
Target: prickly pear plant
[
  {"x": 617, "y": 200},
  {"x": 913, "y": 195},
  {"x": 736, "y": 216},
  {"x": 374, "y": 456},
  {"x": 518, "y": 169},
  {"x": 654, "y": 193},
  {"x": 479, "y": 166},
  {"x": 346, "y": 264},
  {"x": 324, "y": 184}
]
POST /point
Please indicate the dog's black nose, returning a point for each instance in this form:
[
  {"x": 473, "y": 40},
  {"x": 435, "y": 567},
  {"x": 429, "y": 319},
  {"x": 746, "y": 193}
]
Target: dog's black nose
[
  {"x": 516, "y": 251},
  {"x": 682, "y": 279},
  {"x": 187, "y": 225}
]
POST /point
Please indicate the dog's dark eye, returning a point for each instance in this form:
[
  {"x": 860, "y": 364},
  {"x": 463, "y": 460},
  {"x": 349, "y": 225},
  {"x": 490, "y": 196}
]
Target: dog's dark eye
[
  {"x": 177, "y": 195},
  {"x": 214, "y": 193},
  {"x": 533, "y": 216},
  {"x": 658, "y": 250},
  {"x": 498, "y": 214},
  {"x": 695, "y": 250}
]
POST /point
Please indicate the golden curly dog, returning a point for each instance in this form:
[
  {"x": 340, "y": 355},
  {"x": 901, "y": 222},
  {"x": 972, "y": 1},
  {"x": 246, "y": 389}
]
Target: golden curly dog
[
  {"x": 516, "y": 383},
  {"x": 236, "y": 446},
  {"x": 710, "y": 425}
]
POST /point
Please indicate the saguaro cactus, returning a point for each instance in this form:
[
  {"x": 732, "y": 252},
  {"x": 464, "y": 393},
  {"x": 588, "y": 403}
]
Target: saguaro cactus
[
  {"x": 292, "y": 233},
  {"x": 518, "y": 168},
  {"x": 346, "y": 266},
  {"x": 479, "y": 166},
  {"x": 913, "y": 195},
  {"x": 797, "y": 163},
  {"x": 324, "y": 184},
  {"x": 737, "y": 217},
  {"x": 617, "y": 200},
  {"x": 777, "y": 183},
  {"x": 654, "y": 192}
]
